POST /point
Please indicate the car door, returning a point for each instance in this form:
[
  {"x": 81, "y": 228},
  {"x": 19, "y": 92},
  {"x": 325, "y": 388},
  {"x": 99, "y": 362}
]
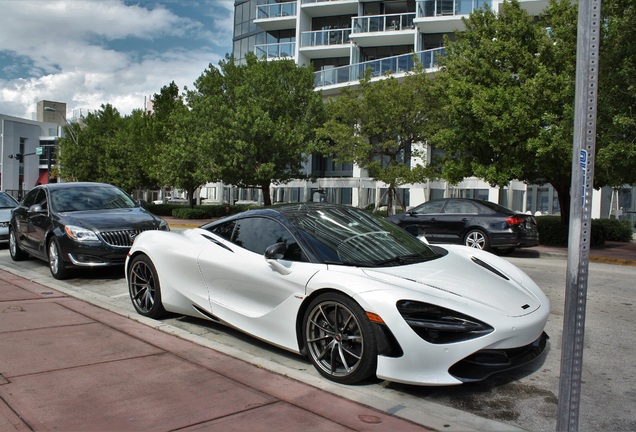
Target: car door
[
  {"x": 246, "y": 290},
  {"x": 457, "y": 217},
  {"x": 423, "y": 220},
  {"x": 32, "y": 221}
]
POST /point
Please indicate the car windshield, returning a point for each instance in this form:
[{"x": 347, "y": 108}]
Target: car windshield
[
  {"x": 7, "y": 202},
  {"x": 349, "y": 236},
  {"x": 89, "y": 198}
]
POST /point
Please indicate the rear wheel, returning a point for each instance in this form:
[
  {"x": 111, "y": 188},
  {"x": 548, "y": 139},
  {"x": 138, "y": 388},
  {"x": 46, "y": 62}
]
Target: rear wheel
[
  {"x": 477, "y": 239},
  {"x": 16, "y": 252},
  {"x": 56, "y": 262},
  {"x": 143, "y": 287},
  {"x": 339, "y": 339}
]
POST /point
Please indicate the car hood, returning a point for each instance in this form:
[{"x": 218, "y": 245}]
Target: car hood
[
  {"x": 484, "y": 278},
  {"x": 5, "y": 214},
  {"x": 104, "y": 220}
]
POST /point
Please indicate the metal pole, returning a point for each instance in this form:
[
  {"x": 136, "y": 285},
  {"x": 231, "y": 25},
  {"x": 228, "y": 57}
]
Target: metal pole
[{"x": 583, "y": 152}]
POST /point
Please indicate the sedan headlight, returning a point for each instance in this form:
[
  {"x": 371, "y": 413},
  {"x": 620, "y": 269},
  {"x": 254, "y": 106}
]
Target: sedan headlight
[
  {"x": 80, "y": 234},
  {"x": 439, "y": 325},
  {"x": 163, "y": 225}
]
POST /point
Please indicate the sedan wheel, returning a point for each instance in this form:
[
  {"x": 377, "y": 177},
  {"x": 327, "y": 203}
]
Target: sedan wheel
[
  {"x": 143, "y": 287},
  {"x": 477, "y": 239},
  {"x": 56, "y": 263},
  {"x": 16, "y": 252},
  {"x": 339, "y": 338}
]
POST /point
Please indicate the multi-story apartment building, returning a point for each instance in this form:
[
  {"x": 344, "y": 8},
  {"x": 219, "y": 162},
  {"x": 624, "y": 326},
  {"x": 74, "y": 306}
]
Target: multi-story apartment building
[{"x": 341, "y": 39}]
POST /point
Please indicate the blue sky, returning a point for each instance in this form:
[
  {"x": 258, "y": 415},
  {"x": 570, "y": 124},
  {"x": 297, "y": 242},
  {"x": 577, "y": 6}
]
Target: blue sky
[{"x": 92, "y": 52}]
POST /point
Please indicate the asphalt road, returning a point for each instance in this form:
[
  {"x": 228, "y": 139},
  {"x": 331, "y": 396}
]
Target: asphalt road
[{"x": 526, "y": 399}]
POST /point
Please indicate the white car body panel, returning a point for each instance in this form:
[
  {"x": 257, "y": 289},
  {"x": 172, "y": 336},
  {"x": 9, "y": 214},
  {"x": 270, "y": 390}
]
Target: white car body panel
[{"x": 198, "y": 269}]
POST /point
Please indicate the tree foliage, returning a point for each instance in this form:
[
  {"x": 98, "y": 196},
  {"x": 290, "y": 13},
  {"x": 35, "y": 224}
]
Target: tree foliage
[
  {"x": 380, "y": 126},
  {"x": 616, "y": 128},
  {"x": 509, "y": 85},
  {"x": 264, "y": 115}
]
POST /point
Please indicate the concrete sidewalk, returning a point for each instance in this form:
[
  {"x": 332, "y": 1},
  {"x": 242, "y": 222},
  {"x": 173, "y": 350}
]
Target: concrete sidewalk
[{"x": 68, "y": 365}]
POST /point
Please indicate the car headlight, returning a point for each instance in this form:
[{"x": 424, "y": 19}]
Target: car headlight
[
  {"x": 439, "y": 325},
  {"x": 80, "y": 234},
  {"x": 163, "y": 225}
]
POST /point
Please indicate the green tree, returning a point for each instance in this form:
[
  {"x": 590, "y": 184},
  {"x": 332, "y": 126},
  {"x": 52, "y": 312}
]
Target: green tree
[
  {"x": 181, "y": 158},
  {"x": 85, "y": 160},
  {"x": 380, "y": 126},
  {"x": 509, "y": 81},
  {"x": 263, "y": 115},
  {"x": 616, "y": 128}
]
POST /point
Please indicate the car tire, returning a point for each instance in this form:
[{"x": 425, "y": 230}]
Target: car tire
[
  {"x": 57, "y": 266},
  {"x": 477, "y": 239},
  {"x": 144, "y": 287},
  {"x": 339, "y": 339},
  {"x": 16, "y": 252}
]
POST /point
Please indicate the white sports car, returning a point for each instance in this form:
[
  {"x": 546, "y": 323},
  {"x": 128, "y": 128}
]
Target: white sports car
[{"x": 356, "y": 294}]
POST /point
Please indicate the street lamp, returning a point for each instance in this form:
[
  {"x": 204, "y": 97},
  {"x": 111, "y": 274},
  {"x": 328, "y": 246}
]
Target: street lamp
[{"x": 68, "y": 125}]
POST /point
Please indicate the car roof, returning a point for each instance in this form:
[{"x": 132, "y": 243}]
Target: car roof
[{"x": 69, "y": 185}]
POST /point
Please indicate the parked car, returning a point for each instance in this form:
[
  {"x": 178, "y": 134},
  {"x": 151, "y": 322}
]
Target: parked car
[
  {"x": 73, "y": 225},
  {"x": 475, "y": 223},
  {"x": 353, "y": 292},
  {"x": 7, "y": 204}
]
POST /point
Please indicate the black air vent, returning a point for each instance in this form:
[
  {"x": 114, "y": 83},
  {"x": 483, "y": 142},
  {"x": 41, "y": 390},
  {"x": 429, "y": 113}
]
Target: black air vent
[{"x": 489, "y": 267}]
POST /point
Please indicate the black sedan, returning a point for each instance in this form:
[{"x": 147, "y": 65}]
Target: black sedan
[
  {"x": 72, "y": 225},
  {"x": 475, "y": 223}
]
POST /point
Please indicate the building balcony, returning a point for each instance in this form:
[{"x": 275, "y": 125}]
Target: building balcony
[
  {"x": 275, "y": 51},
  {"x": 322, "y": 8},
  {"x": 337, "y": 77},
  {"x": 326, "y": 43},
  {"x": 276, "y": 16},
  {"x": 445, "y": 16},
  {"x": 384, "y": 30}
]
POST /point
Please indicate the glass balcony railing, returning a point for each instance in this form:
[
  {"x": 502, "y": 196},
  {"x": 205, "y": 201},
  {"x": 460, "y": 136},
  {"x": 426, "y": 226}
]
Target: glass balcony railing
[
  {"x": 397, "y": 64},
  {"x": 317, "y": 1},
  {"x": 435, "y": 8},
  {"x": 275, "y": 50},
  {"x": 274, "y": 10},
  {"x": 325, "y": 37},
  {"x": 381, "y": 23}
]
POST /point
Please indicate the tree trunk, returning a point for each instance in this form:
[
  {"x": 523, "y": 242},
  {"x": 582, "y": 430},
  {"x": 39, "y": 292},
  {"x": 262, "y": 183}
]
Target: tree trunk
[
  {"x": 267, "y": 198},
  {"x": 190, "y": 192},
  {"x": 562, "y": 189}
]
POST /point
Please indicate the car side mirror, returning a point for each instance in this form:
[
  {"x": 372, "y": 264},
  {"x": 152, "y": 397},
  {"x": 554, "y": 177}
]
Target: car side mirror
[
  {"x": 36, "y": 208},
  {"x": 276, "y": 251}
]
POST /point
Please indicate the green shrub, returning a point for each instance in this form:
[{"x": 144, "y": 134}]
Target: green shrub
[
  {"x": 616, "y": 230},
  {"x": 191, "y": 213},
  {"x": 553, "y": 233}
]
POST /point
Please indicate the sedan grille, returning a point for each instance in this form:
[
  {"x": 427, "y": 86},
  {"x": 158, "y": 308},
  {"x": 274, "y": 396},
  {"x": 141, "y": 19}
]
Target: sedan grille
[{"x": 122, "y": 238}]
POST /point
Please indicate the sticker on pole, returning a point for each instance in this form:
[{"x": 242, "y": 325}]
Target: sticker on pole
[{"x": 583, "y": 164}]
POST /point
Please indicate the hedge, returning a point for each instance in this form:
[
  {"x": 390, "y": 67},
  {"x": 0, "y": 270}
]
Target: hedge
[{"x": 552, "y": 233}]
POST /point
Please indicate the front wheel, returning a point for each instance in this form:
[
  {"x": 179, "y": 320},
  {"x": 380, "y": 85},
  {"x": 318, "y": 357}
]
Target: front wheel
[
  {"x": 144, "y": 288},
  {"x": 477, "y": 239},
  {"x": 340, "y": 339},
  {"x": 56, "y": 262},
  {"x": 16, "y": 252}
]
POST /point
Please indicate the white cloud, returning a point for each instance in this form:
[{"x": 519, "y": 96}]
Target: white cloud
[{"x": 89, "y": 52}]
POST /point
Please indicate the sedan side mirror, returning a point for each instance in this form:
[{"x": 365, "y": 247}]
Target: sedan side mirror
[{"x": 36, "y": 208}]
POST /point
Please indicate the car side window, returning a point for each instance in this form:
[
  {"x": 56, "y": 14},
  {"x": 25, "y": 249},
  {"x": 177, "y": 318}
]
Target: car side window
[
  {"x": 224, "y": 230},
  {"x": 429, "y": 207},
  {"x": 29, "y": 199},
  {"x": 460, "y": 207},
  {"x": 256, "y": 234}
]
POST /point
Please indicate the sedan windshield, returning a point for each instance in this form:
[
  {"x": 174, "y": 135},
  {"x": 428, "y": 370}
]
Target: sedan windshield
[
  {"x": 7, "y": 202},
  {"x": 345, "y": 235},
  {"x": 89, "y": 198}
]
